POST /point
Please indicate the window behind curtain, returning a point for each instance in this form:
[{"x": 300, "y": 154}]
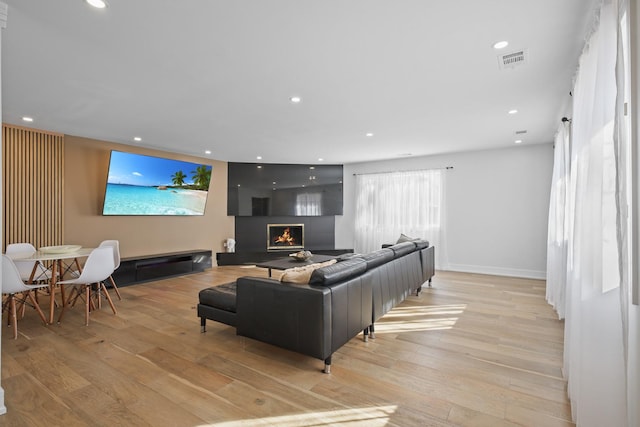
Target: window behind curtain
[{"x": 390, "y": 204}]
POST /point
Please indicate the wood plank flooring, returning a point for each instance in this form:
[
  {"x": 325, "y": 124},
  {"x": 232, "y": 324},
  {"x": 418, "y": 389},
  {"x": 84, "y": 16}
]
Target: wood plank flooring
[{"x": 472, "y": 350}]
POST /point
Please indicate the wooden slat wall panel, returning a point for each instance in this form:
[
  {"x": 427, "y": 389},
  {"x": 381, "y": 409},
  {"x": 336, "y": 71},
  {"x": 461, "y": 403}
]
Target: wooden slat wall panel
[{"x": 33, "y": 190}]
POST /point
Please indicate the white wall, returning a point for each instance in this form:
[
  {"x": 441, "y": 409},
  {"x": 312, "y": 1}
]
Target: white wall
[
  {"x": 496, "y": 208},
  {"x": 3, "y": 24}
]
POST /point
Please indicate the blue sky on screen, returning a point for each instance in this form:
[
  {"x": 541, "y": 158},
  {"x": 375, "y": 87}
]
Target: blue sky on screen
[{"x": 136, "y": 169}]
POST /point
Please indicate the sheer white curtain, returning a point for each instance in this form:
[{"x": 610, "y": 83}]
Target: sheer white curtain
[
  {"x": 622, "y": 138},
  {"x": 390, "y": 204},
  {"x": 594, "y": 352},
  {"x": 622, "y": 147},
  {"x": 558, "y": 228}
]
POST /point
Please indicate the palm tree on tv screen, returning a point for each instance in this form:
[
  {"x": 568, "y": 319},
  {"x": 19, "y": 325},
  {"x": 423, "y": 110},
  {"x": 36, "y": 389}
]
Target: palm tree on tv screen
[
  {"x": 178, "y": 178},
  {"x": 201, "y": 177}
]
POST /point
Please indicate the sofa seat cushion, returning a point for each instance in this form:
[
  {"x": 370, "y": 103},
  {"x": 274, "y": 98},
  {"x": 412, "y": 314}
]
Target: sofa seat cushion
[
  {"x": 340, "y": 271},
  {"x": 222, "y": 297}
]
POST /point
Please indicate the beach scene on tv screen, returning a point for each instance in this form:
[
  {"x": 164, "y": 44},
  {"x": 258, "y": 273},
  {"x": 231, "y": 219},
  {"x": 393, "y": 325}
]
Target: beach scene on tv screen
[{"x": 147, "y": 185}]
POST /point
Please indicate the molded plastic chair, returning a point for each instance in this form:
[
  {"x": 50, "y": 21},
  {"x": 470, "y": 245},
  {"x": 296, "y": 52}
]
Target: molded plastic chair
[
  {"x": 26, "y": 268},
  {"x": 12, "y": 284},
  {"x": 97, "y": 269},
  {"x": 116, "y": 261}
]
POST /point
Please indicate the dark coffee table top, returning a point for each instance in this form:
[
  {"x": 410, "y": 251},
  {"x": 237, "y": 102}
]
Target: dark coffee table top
[{"x": 289, "y": 262}]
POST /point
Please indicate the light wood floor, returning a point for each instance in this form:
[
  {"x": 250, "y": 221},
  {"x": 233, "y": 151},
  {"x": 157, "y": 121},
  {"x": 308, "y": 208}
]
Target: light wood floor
[{"x": 471, "y": 351}]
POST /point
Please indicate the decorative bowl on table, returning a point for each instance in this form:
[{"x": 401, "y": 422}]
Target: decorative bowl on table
[
  {"x": 60, "y": 249},
  {"x": 301, "y": 256}
]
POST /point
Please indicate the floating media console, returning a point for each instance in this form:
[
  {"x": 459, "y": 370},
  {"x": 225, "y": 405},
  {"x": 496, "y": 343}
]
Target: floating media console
[{"x": 161, "y": 266}]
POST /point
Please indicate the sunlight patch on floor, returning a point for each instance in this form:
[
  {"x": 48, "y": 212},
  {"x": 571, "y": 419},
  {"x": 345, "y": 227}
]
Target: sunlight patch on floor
[
  {"x": 413, "y": 319},
  {"x": 375, "y": 416}
]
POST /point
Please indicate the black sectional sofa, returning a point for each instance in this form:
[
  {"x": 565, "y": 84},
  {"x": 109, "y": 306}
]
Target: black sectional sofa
[{"x": 339, "y": 302}]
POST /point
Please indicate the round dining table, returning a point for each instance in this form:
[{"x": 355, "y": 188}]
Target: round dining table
[{"x": 56, "y": 257}]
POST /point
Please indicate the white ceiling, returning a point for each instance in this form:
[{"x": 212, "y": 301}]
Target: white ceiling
[{"x": 193, "y": 75}]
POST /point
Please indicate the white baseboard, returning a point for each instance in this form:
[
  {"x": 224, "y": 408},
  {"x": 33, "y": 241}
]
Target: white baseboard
[{"x": 497, "y": 271}]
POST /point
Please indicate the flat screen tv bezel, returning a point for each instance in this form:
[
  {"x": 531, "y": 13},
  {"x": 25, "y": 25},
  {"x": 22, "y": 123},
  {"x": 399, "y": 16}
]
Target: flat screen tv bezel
[{"x": 190, "y": 165}]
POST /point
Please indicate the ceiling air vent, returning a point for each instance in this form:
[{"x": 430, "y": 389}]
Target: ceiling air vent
[{"x": 513, "y": 59}]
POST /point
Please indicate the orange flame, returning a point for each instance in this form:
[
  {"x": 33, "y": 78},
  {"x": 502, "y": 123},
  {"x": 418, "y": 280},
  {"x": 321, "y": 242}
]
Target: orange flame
[{"x": 285, "y": 238}]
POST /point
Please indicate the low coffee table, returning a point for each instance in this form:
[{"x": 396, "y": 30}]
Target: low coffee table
[{"x": 289, "y": 262}]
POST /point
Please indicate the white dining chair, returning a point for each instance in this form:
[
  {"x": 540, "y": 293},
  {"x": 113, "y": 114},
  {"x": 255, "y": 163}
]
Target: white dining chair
[
  {"x": 26, "y": 268},
  {"x": 116, "y": 260},
  {"x": 97, "y": 269},
  {"x": 12, "y": 284}
]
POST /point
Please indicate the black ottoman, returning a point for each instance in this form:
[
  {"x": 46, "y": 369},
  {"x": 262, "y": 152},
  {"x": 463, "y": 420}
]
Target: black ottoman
[{"x": 218, "y": 303}]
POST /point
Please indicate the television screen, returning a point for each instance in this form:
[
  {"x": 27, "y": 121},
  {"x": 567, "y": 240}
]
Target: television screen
[
  {"x": 257, "y": 189},
  {"x": 146, "y": 185}
]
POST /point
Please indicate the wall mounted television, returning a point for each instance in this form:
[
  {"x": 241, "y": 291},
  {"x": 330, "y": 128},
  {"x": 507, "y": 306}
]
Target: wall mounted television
[
  {"x": 147, "y": 185},
  {"x": 267, "y": 189}
]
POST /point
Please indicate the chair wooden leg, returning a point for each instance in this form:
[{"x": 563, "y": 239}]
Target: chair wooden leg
[
  {"x": 106, "y": 294},
  {"x": 23, "y": 307},
  {"x": 115, "y": 288},
  {"x": 69, "y": 300},
  {"x": 37, "y": 307},
  {"x": 52, "y": 291},
  {"x": 14, "y": 317},
  {"x": 99, "y": 294},
  {"x": 86, "y": 309},
  {"x": 64, "y": 305}
]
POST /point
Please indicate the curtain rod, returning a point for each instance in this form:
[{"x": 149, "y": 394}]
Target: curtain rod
[{"x": 408, "y": 170}]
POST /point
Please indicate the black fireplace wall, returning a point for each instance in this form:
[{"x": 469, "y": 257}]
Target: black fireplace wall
[{"x": 251, "y": 231}]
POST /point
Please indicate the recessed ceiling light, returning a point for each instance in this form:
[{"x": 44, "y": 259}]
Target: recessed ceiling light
[
  {"x": 137, "y": 139},
  {"x": 259, "y": 166},
  {"x": 369, "y": 134},
  {"x": 501, "y": 44},
  {"x": 513, "y": 111},
  {"x": 274, "y": 183},
  {"x": 321, "y": 159},
  {"x": 518, "y": 141},
  {"x": 98, "y": 4},
  {"x": 312, "y": 167},
  {"x": 27, "y": 119},
  {"x": 259, "y": 157},
  {"x": 207, "y": 152},
  {"x": 295, "y": 99}
]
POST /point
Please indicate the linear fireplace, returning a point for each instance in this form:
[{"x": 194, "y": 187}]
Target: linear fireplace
[{"x": 285, "y": 236}]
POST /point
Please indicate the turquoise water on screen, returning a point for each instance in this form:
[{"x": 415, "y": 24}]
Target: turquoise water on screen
[{"x": 136, "y": 200}]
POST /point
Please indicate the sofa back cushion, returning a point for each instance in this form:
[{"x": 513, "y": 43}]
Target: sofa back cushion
[
  {"x": 376, "y": 258},
  {"x": 337, "y": 272},
  {"x": 401, "y": 249},
  {"x": 301, "y": 275},
  {"x": 421, "y": 244}
]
